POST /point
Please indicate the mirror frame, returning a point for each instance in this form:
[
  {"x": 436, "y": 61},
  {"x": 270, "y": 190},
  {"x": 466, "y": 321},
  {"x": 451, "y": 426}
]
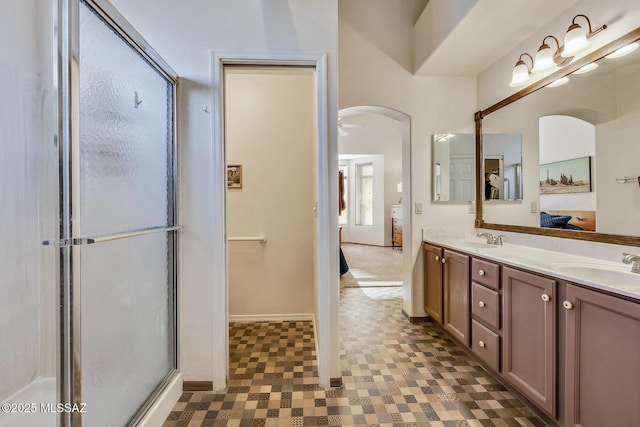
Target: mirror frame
[{"x": 618, "y": 239}]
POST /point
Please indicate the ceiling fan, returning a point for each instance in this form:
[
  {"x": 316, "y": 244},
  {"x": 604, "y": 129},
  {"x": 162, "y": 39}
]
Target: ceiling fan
[{"x": 343, "y": 126}]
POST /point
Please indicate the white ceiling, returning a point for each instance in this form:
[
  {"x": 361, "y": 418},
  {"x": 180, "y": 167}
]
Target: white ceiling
[{"x": 488, "y": 32}]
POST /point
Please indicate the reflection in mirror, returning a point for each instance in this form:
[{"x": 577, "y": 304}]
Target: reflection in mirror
[
  {"x": 567, "y": 151},
  {"x": 579, "y": 145},
  {"x": 453, "y": 167},
  {"x": 502, "y": 166}
]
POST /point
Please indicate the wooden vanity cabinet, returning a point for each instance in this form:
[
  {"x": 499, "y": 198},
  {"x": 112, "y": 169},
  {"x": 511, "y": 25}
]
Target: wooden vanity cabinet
[
  {"x": 433, "y": 281},
  {"x": 530, "y": 336},
  {"x": 572, "y": 351},
  {"x": 446, "y": 290},
  {"x": 456, "y": 295},
  {"x": 602, "y": 359}
]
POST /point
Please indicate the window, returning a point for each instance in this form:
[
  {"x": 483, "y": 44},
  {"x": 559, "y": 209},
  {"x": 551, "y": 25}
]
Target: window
[{"x": 364, "y": 194}]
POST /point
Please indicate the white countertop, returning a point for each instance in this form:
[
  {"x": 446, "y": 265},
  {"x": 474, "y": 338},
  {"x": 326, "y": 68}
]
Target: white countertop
[{"x": 609, "y": 276}]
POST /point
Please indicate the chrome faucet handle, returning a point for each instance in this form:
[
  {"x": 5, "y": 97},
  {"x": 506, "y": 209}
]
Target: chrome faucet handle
[
  {"x": 632, "y": 259},
  {"x": 490, "y": 237},
  {"x": 500, "y": 239}
]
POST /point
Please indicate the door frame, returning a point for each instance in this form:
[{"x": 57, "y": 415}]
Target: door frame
[{"x": 326, "y": 271}]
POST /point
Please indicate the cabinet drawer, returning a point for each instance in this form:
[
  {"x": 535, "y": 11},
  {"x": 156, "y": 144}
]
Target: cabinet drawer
[
  {"x": 485, "y": 272},
  {"x": 486, "y": 345},
  {"x": 485, "y": 305}
]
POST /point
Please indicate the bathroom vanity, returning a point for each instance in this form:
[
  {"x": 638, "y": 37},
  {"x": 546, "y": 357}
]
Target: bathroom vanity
[{"x": 562, "y": 330}]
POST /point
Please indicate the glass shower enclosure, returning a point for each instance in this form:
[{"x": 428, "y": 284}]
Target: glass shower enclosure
[{"x": 89, "y": 183}]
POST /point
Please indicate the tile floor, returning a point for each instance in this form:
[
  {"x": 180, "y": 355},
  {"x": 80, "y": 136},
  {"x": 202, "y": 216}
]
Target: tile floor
[{"x": 395, "y": 374}]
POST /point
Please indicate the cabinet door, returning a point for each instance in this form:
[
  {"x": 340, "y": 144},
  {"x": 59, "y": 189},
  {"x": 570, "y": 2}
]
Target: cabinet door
[
  {"x": 602, "y": 359},
  {"x": 433, "y": 282},
  {"x": 456, "y": 295},
  {"x": 529, "y": 336}
]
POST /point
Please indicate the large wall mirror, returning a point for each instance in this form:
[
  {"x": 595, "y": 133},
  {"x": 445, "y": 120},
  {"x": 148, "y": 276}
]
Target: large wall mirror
[{"x": 580, "y": 166}]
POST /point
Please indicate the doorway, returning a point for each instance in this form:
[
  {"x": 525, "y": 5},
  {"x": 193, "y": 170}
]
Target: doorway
[
  {"x": 269, "y": 121},
  {"x": 392, "y": 128},
  {"x": 318, "y": 241}
]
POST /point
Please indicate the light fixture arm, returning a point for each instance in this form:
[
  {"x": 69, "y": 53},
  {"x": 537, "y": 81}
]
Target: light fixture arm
[
  {"x": 553, "y": 37},
  {"x": 557, "y": 55},
  {"x": 530, "y": 58},
  {"x": 591, "y": 32}
]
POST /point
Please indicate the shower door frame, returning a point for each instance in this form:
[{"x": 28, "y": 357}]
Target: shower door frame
[{"x": 66, "y": 138}]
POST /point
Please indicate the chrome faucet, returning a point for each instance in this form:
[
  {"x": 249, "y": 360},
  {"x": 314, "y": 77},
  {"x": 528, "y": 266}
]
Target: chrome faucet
[
  {"x": 492, "y": 239},
  {"x": 634, "y": 260}
]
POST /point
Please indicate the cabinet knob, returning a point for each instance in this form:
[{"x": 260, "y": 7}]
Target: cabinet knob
[
  {"x": 481, "y": 343},
  {"x": 546, "y": 298},
  {"x": 437, "y": 258},
  {"x": 481, "y": 272},
  {"x": 481, "y": 304},
  {"x": 567, "y": 305},
  {"x": 443, "y": 260}
]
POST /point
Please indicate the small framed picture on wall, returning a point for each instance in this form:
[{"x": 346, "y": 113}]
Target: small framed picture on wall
[{"x": 234, "y": 176}]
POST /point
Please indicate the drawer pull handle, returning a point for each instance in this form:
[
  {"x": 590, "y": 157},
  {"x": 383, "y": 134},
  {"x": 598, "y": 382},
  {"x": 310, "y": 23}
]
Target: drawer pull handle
[
  {"x": 481, "y": 304},
  {"x": 481, "y": 343},
  {"x": 481, "y": 272},
  {"x": 437, "y": 258},
  {"x": 567, "y": 305},
  {"x": 546, "y": 298}
]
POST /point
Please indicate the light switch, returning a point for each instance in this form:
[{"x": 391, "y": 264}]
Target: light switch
[{"x": 418, "y": 208}]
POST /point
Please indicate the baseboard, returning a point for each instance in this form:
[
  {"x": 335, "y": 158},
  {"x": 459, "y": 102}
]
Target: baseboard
[
  {"x": 158, "y": 413},
  {"x": 197, "y": 385},
  {"x": 292, "y": 317},
  {"x": 415, "y": 319}
]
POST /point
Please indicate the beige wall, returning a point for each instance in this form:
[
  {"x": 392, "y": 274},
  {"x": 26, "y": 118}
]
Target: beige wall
[{"x": 270, "y": 130}]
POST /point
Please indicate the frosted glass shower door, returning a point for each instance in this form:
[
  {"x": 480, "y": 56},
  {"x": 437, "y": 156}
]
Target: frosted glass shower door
[{"x": 123, "y": 203}]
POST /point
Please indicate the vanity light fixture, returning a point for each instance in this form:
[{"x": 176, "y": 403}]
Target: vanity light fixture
[
  {"x": 559, "y": 82},
  {"x": 623, "y": 51},
  {"x": 521, "y": 73},
  {"x": 546, "y": 58},
  {"x": 576, "y": 38},
  {"x": 589, "y": 67}
]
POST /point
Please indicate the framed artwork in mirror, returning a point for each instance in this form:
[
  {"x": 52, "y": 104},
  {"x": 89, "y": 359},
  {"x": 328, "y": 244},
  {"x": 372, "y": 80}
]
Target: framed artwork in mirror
[{"x": 567, "y": 176}]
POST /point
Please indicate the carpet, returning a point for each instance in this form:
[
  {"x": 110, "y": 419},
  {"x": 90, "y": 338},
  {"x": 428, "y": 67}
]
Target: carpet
[{"x": 371, "y": 266}]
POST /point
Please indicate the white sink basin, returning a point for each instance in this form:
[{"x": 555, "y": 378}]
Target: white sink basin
[{"x": 619, "y": 276}]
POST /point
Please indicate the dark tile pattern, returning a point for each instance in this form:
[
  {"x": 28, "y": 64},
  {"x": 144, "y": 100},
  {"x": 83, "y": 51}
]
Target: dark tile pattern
[{"x": 395, "y": 374}]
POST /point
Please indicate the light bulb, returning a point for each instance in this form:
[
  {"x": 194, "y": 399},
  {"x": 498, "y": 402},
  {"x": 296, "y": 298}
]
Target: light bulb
[{"x": 574, "y": 41}]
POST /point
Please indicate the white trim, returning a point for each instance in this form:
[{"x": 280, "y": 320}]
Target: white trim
[
  {"x": 292, "y": 317},
  {"x": 327, "y": 297},
  {"x": 164, "y": 404},
  {"x": 219, "y": 305}
]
